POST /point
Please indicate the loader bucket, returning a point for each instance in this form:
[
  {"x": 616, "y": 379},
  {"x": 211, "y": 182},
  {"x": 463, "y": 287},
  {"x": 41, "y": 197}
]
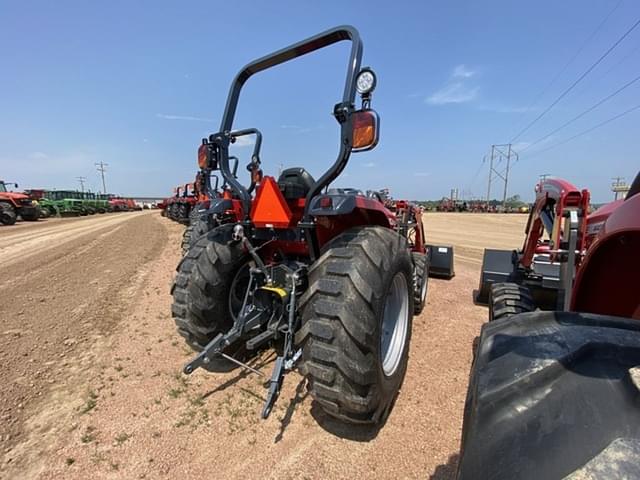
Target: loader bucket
[{"x": 440, "y": 261}]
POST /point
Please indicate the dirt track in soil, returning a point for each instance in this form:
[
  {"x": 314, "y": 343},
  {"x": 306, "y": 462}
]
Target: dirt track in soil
[{"x": 92, "y": 382}]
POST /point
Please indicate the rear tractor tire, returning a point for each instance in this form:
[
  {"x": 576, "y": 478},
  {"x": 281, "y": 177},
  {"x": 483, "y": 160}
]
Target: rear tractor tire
[
  {"x": 420, "y": 281},
  {"x": 356, "y": 324},
  {"x": 209, "y": 287},
  {"x": 507, "y": 299},
  {"x": 195, "y": 231}
]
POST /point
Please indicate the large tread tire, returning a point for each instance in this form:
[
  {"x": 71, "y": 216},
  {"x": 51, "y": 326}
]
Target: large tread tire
[
  {"x": 7, "y": 214},
  {"x": 554, "y": 395},
  {"x": 341, "y": 313},
  {"x": 31, "y": 217},
  {"x": 507, "y": 299},
  {"x": 202, "y": 287},
  {"x": 195, "y": 231},
  {"x": 420, "y": 281}
]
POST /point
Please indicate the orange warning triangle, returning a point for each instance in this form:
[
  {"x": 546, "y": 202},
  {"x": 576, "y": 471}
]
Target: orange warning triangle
[{"x": 269, "y": 208}]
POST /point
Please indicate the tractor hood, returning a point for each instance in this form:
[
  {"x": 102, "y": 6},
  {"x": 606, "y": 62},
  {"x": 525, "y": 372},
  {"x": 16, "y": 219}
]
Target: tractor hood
[{"x": 15, "y": 196}]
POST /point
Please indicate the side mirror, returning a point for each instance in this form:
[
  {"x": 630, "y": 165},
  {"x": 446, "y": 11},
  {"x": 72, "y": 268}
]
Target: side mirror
[{"x": 366, "y": 130}]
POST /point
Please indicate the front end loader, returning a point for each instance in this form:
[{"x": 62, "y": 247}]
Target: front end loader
[{"x": 556, "y": 394}]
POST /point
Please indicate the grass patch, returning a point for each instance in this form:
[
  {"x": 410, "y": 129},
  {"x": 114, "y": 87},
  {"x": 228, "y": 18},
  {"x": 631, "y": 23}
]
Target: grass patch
[
  {"x": 89, "y": 435},
  {"x": 175, "y": 392},
  {"x": 90, "y": 403}
]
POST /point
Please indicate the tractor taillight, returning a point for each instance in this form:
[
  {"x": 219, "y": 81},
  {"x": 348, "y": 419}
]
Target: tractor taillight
[
  {"x": 325, "y": 202},
  {"x": 203, "y": 156}
]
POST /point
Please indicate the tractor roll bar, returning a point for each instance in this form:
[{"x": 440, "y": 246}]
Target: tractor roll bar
[{"x": 342, "y": 111}]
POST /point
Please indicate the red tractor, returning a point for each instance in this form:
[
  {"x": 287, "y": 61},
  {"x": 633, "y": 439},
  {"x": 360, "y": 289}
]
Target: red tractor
[
  {"x": 328, "y": 277},
  {"x": 541, "y": 273},
  {"x": 118, "y": 204},
  {"x": 173, "y": 203},
  {"x": 15, "y": 204},
  {"x": 556, "y": 394}
]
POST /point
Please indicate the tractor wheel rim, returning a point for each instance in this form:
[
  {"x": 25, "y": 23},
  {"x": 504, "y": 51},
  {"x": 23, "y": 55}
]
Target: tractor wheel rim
[{"x": 395, "y": 324}]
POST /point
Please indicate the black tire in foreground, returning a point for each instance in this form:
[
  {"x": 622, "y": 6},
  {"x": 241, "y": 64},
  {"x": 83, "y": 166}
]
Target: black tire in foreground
[
  {"x": 554, "y": 395},
  {"x": 209, "y": 287},
  {"x": 507, "y": 299},
  {"x": 354, "y": 356},
  {"x": 420, "y": 281}
]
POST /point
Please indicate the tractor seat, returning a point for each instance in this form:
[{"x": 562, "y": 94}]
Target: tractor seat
[{"x": 295, "y": 183}]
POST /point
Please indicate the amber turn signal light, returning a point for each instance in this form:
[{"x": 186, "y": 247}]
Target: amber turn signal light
[{"x": 365, "y": 130}]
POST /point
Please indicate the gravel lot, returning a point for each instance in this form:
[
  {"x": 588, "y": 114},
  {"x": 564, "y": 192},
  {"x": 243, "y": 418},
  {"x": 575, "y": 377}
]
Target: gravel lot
[{"x": 91, "y": 367}]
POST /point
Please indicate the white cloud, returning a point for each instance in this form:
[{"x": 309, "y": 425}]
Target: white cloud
[
  {"x": 166, "y": 116},
  {"x": 421, "y": 174},
  {"x": 462, "y": 72},
  {"x": 369, "y": 165},
  {"x": 456, "y": 92},
  {"x": 38, "y": 156},
  {"x": 457, "y": 89}
]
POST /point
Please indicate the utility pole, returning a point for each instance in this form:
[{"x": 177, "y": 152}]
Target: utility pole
[
  {"x": 101, "y": 168},
  {"x": 619, "y": 187},
  {"x": 82, "y": 180},
  {"x": 499, "y": 153}
]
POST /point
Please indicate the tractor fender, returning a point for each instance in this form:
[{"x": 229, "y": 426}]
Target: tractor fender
[
  {"x": 607, "y": 280},
  {"x": 345, "y": 204},
  {"x": 219, "y": 206}
]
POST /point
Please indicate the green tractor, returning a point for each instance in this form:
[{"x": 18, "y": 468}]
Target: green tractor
[
  {"x": 92, "y": 203},
  {"x": 102, "y": 202},
  {"x": 63, "y": 202}
]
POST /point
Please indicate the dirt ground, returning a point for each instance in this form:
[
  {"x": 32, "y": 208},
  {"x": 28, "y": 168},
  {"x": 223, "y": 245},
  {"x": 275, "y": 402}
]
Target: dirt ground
[{"x": 91, "y": 367}]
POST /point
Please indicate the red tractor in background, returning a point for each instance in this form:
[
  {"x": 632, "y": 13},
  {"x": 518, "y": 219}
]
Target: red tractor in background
[
  {"x": 540, "y": 275},
  {"x": 328, "y": 277},
  {"x": 556, "y": 394},
  {"x": 173, "y": 203},
  {"x": 16, "y": 204},
  {"x": 118, "y": 204}
]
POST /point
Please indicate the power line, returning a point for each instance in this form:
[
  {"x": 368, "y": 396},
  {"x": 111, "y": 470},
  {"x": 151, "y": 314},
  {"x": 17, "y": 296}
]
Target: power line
[
  {"x": 583, "y": 113},
  {"x": 101, "y": 168},
  {"x": 589, "y": 130},
  {"x": 571, "y": 60},
  {"x": 576, "y": 82}
]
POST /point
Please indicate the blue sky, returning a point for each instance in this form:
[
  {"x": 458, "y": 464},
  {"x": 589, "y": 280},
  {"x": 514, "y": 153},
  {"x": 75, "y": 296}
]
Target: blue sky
[{"x": 138, "y": 84}]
